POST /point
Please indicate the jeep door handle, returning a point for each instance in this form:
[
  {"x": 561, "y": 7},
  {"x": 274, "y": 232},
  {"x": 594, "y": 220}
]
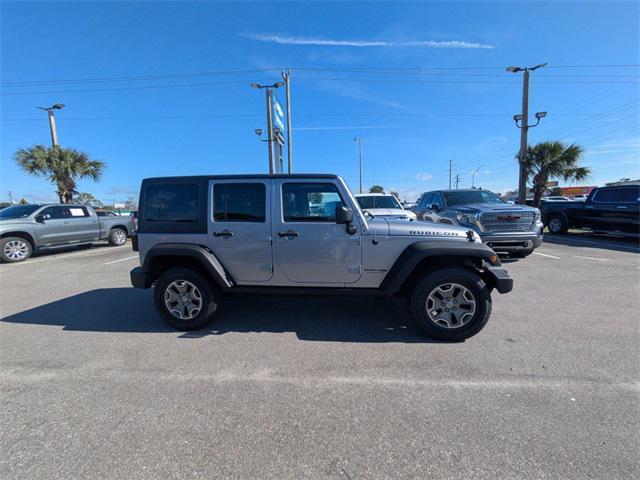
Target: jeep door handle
[
  {"x": 288, "y": 234},
  {"x": 223, "y": 233}
]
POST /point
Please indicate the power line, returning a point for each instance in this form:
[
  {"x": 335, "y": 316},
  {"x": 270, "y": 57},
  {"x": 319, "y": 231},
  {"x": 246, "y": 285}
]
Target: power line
[{"x": 410, "y": 70}]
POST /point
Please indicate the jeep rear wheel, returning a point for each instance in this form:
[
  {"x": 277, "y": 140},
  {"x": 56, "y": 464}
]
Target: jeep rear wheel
[
  {"x": 451, "y": 304},
  {"x": 185, "y": 299}
]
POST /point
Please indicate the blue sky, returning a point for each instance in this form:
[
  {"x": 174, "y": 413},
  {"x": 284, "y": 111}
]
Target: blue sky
[{"x": 420, "y": 82}]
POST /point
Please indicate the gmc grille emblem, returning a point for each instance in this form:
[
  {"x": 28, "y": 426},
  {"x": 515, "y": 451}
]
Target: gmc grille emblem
[{"x": 508, "y": 218}]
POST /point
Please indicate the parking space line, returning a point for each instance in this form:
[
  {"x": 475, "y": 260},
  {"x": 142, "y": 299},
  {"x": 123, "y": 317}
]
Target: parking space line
[
  {"x": 592, "y": 258},
  {"x": 121, "y": 260},
  {"x": 545, "y": 255},
  {"x": 64, "y": 255}
]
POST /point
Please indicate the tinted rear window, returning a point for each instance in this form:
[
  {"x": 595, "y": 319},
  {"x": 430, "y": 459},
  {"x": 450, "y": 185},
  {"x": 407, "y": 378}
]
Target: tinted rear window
[
  {"x": 239, "y": 202},
  {"x": 617, "y": 195},
  {"x": 172, "y": 203}
]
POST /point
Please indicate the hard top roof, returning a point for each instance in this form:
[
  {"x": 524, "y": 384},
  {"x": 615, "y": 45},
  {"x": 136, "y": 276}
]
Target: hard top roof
[{"x": 250, "y": 176}]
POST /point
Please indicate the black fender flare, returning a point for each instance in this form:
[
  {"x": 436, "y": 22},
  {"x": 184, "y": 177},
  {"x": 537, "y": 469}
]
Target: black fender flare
[
  {"x": 418, "y": 251},
  {"x": 203, "y": 255}
]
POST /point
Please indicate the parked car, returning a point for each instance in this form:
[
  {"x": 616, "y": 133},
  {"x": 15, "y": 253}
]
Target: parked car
[
  {"x": 203, "y": 237},
  {"x": 27, "y": 228},
  {"x": 134, "y": 219},
  {"x": 581, "y": 197},
  {"x": 383, "y": 205},
  {"x": 507, "y": 228},
  {"x": 613, "y": 210},
  {"x": 556, "y": 199}
]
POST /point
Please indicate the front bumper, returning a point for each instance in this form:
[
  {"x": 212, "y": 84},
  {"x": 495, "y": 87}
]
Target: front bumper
[
  {"x": 499, "y": 278},
  {"x": 139, "y": 279},
  {"x": 513, "y": 241}
]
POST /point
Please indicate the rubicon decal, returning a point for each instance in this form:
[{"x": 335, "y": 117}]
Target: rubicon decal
[{"x": 432, "y": 233}]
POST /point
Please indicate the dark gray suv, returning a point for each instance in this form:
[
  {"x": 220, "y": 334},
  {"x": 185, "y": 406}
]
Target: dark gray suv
[{"x": 505, "y": 227}]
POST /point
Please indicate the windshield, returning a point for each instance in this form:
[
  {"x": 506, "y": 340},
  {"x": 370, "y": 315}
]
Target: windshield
[
  {"x": 378, "y": 201},
  {"x": 18, "y": 211},
  {"x": 466, "y": 197}
]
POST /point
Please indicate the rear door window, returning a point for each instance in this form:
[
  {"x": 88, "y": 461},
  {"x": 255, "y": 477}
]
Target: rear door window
[
  {"x": 172, "y": 203},
  {"x": 609, "y": 195},
  {"x": 239, "y": 202}
]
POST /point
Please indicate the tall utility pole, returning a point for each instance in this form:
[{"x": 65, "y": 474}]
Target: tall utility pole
[
  {"x": 268, "y": 88},
  {"x": 359, "y": 140},
  {"x": 450, "y": 169},
  {"x": 52, "y": 121},
  {"x": 457, "y": 180},
  {"x": 524, "y": 128},
  {"x": 473, "y": 176},
  {"x": 287, "y": 81}
]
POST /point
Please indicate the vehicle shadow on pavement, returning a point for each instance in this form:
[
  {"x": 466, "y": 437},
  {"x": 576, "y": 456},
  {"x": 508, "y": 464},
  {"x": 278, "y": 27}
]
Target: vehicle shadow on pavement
[
  {"x": 591, "y": 240},
  {"x": 325, "y": 319}
]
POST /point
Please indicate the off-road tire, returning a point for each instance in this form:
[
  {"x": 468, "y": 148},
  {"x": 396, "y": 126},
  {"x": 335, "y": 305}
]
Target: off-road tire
[
  {"x": 117, "y": 237},
  {"x": 472, "y": 282},
  {"x": 15, "y": 246},
  {"x": 209, "y": 295},
  {"x": 557, "y": 224}
]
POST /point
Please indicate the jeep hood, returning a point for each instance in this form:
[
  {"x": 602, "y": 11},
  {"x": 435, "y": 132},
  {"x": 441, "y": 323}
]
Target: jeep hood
[{"x": 415, "y": 228}]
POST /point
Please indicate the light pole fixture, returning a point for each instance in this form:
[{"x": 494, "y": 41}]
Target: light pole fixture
[
  {"x": 270, "y": 133},
  {"x": 473, "y": 176},
  {"x": 522, "y": 122},
  {"x": 52, "y": 120}
]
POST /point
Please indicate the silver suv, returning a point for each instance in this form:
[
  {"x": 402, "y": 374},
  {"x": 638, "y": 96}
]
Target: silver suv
[
  {"x": 507, "y": 228},
  {"x": 201, "y": 238}
]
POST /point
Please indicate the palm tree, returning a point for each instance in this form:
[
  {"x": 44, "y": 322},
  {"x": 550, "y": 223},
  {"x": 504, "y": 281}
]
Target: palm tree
[
  {"x": 554, "y": 160},
  {"x": 62, "y": 166}
]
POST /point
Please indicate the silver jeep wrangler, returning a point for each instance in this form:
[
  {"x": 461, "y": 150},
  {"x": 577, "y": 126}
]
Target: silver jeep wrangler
[{"x": 201, "y": 238}]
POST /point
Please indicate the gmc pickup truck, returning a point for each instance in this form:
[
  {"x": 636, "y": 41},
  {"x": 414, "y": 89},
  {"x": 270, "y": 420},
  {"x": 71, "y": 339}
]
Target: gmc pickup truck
[
  {"x": 612, "y": 210},
  {"x": 26, "y": 228}
]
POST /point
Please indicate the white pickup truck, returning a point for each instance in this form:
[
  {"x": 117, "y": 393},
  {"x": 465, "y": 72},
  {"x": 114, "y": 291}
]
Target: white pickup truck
[{"x": 27, "y": 228}]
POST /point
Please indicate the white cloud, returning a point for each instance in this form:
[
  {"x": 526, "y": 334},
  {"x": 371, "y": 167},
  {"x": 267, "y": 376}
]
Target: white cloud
[
  {"x": 329, "y": 42},
  {"x": 425, "y": 177}
]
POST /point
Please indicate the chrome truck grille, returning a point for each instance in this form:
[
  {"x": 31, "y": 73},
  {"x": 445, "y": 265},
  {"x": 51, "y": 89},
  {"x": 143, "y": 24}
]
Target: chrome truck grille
[{"x": 507, "y": 221}]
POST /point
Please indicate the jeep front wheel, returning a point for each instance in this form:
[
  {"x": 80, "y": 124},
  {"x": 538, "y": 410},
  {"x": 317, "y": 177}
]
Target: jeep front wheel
[
  {"x": 451, "y": 304},
  {"x": 185, "y": 299}
]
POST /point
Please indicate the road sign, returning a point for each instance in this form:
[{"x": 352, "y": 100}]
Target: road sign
[
  {"x": 278, "y": 113},
  {"x": 119, "y": 205}
]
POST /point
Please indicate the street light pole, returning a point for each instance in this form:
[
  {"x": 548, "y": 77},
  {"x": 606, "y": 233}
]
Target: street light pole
[
  {"x": 359, "y": 140},
  {"x": 524, "y": 129},
  {"x": 268, "y": 89},
  {"x": 52, "y": 121},
  {"x": 473, "y": 176}
]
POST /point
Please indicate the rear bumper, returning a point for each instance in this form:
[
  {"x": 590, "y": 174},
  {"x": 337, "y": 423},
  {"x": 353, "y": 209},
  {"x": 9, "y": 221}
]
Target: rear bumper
[
  {"x": 500, "y": 279},
  {"x": 139, "y": 279}
]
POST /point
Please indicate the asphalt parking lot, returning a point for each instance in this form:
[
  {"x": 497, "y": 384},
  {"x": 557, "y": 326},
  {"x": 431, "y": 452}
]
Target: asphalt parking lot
[{"x": 94, "y": 385}]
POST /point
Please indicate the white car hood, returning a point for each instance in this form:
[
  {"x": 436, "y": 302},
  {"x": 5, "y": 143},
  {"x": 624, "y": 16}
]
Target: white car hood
[{"x": 388, "y": 212}]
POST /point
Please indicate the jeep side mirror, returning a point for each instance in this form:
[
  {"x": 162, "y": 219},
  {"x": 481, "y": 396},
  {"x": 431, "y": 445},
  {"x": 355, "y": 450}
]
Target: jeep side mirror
[
  {"x": 39, "y": 218},
  {"x": 344, "y": 215},
  {"x": 435, "y": 207}
]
